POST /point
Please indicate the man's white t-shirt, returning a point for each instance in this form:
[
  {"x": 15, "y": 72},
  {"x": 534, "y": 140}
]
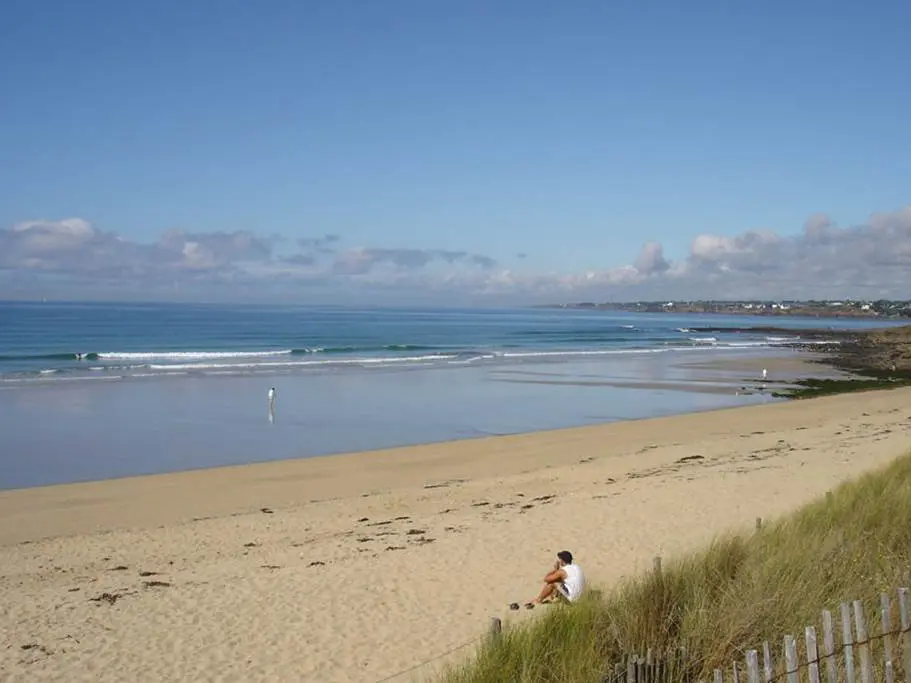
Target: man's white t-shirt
[{"x": 574, "y": 581}]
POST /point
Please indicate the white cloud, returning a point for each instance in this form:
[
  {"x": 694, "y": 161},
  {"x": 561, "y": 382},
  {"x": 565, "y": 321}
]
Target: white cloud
[
  {"x": 820, "y": 260},
  {"x": 651, "y": 259}
]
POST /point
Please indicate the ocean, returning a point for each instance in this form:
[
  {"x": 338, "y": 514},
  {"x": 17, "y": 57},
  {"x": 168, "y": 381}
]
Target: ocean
[{"x": 91, "y": 391}]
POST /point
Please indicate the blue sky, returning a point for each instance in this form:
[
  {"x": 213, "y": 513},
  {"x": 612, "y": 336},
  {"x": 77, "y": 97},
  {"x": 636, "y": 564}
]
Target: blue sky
[{"x": 545, "y": 143}]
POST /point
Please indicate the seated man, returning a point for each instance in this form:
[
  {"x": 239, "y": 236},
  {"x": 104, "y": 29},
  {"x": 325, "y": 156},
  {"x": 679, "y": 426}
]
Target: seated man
[{"x": 566, "y": 581}]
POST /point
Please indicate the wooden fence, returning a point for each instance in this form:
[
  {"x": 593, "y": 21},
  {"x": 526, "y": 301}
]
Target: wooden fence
[{"x": 860, "y": 653}]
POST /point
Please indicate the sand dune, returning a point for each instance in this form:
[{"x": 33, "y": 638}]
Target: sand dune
[{"x": 351, "y": 568}]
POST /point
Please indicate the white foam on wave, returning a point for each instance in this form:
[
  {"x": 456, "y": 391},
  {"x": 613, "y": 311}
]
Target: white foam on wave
[
  {"x": 48, "y": 379},
  {"x": 302, "y": 363},
  {"x": 472, "y": 359},
  {"x": 747, "y": 344},
  {"x": 156, "y": 374},
  {"x": 177, "y": 363},
  {"x": 188, "y": 355}
]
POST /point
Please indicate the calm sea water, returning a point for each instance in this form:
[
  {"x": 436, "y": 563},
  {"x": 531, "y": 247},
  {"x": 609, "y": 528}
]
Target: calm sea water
[{"x": 91, "y": 391}]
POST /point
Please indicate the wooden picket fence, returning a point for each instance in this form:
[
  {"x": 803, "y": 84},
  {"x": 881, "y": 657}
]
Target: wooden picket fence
[{"x": 856, "y": 656}]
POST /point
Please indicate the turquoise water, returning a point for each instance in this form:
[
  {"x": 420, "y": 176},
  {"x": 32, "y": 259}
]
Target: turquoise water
[{"x": 160, "y": 388}]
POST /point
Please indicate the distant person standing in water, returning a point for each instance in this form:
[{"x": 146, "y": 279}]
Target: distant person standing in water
[{"x": 271, "y": 398}]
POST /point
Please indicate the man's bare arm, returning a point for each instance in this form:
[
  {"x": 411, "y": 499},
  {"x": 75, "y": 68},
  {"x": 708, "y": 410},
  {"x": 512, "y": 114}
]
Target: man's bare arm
[{"x": 556, "y": 575}]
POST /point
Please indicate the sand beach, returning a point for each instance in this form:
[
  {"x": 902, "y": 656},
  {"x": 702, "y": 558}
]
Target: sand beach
[{"x": 356, "y": 567}]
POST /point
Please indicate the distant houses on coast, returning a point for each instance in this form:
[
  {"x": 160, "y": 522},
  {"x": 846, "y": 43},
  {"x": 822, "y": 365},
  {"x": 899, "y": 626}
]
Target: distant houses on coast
[{"x": 847, "y": 308}]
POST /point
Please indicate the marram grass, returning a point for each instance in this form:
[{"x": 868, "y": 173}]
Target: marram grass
[{"x": 731, "y": 596}]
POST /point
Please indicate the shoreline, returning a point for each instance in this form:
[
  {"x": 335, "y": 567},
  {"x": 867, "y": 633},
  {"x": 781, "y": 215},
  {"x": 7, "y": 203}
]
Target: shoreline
[
  {"x": 844, "y": 364},
  {"x": 112, "y": 430},
  {"x": 787, "y": 368},
  {"x": 69, "y": 498}
]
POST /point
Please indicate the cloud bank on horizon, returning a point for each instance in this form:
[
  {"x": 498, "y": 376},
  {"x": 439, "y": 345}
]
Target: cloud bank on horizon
[{"x": 73, "y": 259}]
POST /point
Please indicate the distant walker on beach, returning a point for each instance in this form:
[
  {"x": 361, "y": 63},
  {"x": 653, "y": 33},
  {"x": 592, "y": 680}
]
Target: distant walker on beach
[{"x": 565, "y": 581}]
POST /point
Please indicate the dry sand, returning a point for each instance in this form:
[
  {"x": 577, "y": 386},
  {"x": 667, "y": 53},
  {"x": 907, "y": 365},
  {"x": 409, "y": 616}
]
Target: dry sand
[{"x": 360, "y": 566}]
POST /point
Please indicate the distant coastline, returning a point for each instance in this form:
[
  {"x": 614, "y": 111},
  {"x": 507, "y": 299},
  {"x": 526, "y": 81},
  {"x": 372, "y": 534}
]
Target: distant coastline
[
  {"x": 853, "y": 308},
  {"x": 870, "y": 352}
]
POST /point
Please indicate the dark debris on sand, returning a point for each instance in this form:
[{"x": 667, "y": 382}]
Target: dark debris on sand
[{"x": 109, "y": 598}]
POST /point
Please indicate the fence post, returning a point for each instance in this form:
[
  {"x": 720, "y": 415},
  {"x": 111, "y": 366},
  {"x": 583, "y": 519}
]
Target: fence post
[
  {"x": 828, "y": 637},
  {"x": 649, "y": 663},
  {"x": 736, "y": 671},
  {"x": 758, "y": 524},
  {"x": 768, "y": 669},
  {"x": 863, "y": 643},
  {"x": 886, "y": 625},
  {"x": 812, "y": 654},
  {"x": 660, "y": 671},
  {"x": 496, "y": 627},
  {"x": 717, "y": 676},
  {"x": 752, "y": 666},
  {"x": 656, "y": 564},
  {"x": 848, "y": 641},
  {"x": 906, "y": 632},
  {"x": 631, "y": 669},
  {"x": 790, "y": 659}
]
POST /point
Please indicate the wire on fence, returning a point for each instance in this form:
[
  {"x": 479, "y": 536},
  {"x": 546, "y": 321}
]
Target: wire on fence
[{"x": 430, "y": 660}]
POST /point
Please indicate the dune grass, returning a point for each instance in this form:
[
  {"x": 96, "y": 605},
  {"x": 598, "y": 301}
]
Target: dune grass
[{"x": 736, "y": 593}]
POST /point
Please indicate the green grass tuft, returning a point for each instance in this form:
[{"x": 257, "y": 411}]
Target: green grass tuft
[{"x": 735, "y": 594}]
